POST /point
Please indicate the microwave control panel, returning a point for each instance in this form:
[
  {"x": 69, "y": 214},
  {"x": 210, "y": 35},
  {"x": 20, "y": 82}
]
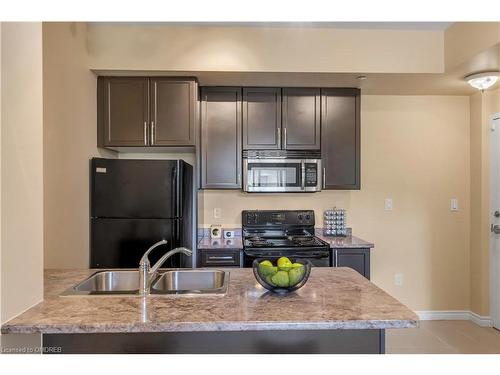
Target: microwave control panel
[{"x": 311, "y": 174}]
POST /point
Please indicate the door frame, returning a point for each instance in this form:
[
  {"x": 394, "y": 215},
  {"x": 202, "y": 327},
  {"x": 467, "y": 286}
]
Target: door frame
[{"x": 494, "y": 205}]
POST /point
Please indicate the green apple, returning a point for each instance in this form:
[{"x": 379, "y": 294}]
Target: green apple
[{"x": 281, "y": 279}]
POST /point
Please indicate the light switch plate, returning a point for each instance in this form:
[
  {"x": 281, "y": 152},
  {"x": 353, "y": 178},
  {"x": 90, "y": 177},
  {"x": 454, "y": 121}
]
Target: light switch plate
[
  {"x": 454, "y": 204},
  {"x": 388, "y": 204},
  {"x": 217, "y": 213}
]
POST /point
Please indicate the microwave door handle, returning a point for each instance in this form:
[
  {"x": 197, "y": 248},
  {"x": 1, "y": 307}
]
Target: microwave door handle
[
  {"x": 250, "y": 182},
  {"x": 303, "y": 174}
]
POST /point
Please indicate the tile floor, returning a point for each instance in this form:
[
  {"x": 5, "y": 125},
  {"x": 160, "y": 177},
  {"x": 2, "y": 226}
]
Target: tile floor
[{"x": 443, "y": 337}]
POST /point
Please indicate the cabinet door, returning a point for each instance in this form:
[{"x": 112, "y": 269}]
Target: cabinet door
[
  {"x": 123, "y": 111},
  {"x": 173, "y": 106},
  {"x": 261, "y": 118},
  {"x": 221, "y": 138},
  {"x": 340, "y": 138},
  {"x": 301, "y": 119},
  {"x": 357, "y": 259}
]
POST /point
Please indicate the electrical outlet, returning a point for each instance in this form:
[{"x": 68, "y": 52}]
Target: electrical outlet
[
  {"x": 398, "y": 279},
  {"x": 454, "y": 204},
  {"x": 217, "y": 213},
  {"x": 388, "y": 204}
]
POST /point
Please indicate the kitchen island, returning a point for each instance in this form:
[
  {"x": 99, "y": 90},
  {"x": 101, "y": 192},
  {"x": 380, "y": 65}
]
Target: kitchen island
[{"x": 337, "y": 311}]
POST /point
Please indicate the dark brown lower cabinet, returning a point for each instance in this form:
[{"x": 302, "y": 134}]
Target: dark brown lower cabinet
[
  {"x": 357, "y": 259},
  {"x": 221, "y": 137},
  {"x": 340, "y": 138},
  {"x": 335, "y": 341},
  {"x": 219, "y": 258}
]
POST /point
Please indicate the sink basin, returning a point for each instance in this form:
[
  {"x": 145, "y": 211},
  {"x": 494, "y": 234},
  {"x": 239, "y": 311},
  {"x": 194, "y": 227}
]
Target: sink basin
[
  {"x": 107, "y": 282},
  {"x": 126, "y": 283},
  {"x": 191, "y": 282}
]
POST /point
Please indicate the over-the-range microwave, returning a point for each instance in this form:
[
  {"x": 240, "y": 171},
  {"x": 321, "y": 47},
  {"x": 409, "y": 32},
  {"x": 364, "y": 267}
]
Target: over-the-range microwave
[{"x": 275, "y": 171}]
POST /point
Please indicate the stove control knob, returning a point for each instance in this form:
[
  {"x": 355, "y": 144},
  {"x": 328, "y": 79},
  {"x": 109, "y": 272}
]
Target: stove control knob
[
  {"x": 308, "y": 217},
  {"x": 299, "y": 217}
]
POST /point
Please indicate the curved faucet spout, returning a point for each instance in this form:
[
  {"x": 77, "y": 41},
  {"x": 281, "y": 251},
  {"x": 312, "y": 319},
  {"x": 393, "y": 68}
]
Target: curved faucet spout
[
  {"x": 167, "y": 255},
  {"x": 145, "y": 259},
  {"x": 147, "y": 273}
]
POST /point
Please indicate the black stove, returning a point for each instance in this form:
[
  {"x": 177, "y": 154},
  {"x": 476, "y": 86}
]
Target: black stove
[{"x": 273, "y": 234}]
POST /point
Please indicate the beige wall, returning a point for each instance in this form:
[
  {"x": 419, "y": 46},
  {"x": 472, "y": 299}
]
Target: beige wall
[
  {"x": 21, "y": 168},
  {"x": 265, "y": 49},
  {"x": 482, "y": 106},
  {"x": 414, "y": 149},
  {"x": 69, "y": 103}
]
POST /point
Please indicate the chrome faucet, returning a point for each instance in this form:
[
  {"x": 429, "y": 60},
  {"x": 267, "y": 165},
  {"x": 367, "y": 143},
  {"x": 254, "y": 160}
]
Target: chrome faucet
[{"x": 147, "y": 273}]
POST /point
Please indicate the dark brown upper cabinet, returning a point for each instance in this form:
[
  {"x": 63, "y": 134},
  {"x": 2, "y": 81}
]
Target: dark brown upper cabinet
[
  {"x": 261, "y": 118},
  {"x": 301, "y": 119},
  {"x": 173, "y": 111},
  {"x": 123, "y": 111},
  {"x": 340, "y": 138},
  {"x": 142, "y": 111},
  {"x": 221, "y": 137}
]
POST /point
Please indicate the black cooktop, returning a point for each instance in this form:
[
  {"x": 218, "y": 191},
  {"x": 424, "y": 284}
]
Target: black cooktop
[{"x": 294, "y": 241}]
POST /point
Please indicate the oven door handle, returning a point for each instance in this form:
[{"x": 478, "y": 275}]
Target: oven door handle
[{"x": 310, "y": 256}]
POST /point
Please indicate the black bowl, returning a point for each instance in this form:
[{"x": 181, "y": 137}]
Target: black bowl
[{"x": 278, "y": 289}]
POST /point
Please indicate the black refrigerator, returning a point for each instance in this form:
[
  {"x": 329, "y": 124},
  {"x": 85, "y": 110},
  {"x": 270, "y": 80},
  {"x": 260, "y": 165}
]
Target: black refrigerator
[{"x": 135, "y": 203}]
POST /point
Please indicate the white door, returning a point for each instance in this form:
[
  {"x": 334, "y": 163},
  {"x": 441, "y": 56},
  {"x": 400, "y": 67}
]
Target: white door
[{"x": 495, "y": 221}]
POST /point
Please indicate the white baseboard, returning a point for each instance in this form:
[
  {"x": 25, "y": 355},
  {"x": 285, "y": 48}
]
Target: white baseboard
[{"x": 483, "y": 321}]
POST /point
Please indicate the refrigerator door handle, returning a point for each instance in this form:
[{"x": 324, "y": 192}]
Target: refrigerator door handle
[
  {"x": 176, "y": 191},
  {"x": 179, "y": 177},
  {"x": 178, "y": 233}
]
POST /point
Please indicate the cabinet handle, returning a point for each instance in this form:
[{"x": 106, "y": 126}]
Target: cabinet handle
[
  {"x": 152, "y": 133},
  {"x": 324, "y": 178},
  {"x": 238, "y": 181},
  {"x": 279, "y": 137},
  {"x": 336, "y": 258},
  {"x": 284, "y": 137},
  {"x": 145, "y": 133}
]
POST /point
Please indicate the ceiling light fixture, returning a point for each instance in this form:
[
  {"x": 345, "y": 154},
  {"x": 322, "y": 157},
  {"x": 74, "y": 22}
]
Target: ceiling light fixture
[{"x": 482, "y": 81}]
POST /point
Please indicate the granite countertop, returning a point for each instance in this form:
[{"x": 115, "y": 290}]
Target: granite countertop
[
  {"x": 333, "y": 298},
  {"x": 206, "y": 243},
  {"x": 345, "y": 242}
]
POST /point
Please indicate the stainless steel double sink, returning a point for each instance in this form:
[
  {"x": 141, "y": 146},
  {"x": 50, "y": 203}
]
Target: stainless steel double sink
[{"x": 172, "y": 282}]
